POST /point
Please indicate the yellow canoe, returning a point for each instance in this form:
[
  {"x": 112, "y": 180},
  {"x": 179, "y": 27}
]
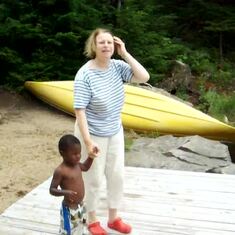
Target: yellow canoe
[{"x": 144, "y": 111}]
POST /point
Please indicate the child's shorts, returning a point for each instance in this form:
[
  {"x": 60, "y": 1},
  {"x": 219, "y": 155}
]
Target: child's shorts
[{"x": 72, "y": 220}]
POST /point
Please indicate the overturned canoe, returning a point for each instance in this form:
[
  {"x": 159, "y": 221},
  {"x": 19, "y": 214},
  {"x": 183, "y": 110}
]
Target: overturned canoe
[{"x": 144, "y": 111}]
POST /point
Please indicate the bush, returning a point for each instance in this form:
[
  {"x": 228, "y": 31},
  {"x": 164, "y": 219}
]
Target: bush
[{"x": 219, "y": 105}]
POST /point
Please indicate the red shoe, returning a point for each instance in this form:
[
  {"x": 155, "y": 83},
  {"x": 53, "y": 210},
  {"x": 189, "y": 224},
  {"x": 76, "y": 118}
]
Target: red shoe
[
  {"x": 120, "y": 226},
  {"x": 96, "y": 229}
]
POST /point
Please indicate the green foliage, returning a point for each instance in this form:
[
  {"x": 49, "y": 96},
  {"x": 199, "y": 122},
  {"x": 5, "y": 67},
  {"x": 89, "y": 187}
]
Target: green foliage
[
  {"x": 128, "y": 143},
  {"x": 44, "y": 40},
  {"x": 9, "y": 60},
  {"x": 147, "y": 36},
  {"x": 182, "y": 93},
  {"x": 219, "y": 105},
  {"x": 223, "y": 76}
]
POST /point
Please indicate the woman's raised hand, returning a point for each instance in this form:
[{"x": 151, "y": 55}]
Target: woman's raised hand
[{"x": 120, "y": 46}]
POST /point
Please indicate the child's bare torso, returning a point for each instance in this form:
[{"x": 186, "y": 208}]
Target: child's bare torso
[{"x": 72, "y": 180}]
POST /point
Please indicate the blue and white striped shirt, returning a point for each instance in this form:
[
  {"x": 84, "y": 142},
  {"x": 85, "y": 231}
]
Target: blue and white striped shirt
[{"x": 101, "y": 94}]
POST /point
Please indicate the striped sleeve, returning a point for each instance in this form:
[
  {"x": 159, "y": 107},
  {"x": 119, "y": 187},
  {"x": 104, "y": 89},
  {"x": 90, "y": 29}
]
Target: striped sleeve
[
  {"x": 82, "y": 91},
  {"x": 125, "y": 70}
]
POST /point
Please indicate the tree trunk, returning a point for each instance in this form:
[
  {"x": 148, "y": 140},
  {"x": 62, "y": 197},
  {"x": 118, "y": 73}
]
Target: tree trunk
[{"x": 221, "y": 49}]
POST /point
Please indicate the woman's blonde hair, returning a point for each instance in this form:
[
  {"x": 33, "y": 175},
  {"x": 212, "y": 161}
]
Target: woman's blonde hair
[{"x": 90, "y": 46}]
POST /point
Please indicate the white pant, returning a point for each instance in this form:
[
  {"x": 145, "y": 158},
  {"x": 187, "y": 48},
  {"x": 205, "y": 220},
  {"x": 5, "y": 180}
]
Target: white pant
[{"x": 109, "y": 163}]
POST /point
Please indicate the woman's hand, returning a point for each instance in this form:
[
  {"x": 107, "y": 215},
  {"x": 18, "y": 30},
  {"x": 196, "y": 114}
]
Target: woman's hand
[
  {"x": 120, "y": 46},
  {"x": 92, "y": 149},
  {"x": 140, "y": 74}
]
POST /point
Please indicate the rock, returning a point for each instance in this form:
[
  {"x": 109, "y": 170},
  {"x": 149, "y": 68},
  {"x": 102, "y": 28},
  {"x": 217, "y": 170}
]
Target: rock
[
  {"x": 191, "y": 153},
  {"x": 208, "y": 148},
  {"x": 197, "y": 159},
  {"x": 228, "y": 169},
  {"x": 180, "y": 77}
]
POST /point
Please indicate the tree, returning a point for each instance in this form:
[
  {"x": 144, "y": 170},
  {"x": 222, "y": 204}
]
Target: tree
[{"x": 222, "y": 22}]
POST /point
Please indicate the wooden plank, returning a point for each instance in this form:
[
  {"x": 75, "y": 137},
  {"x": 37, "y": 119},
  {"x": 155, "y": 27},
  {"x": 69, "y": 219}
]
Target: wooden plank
[
  {"x": 21, "y": 226},
  {"x": 164, "y": 172},
  {"x": 200, "y": 201},
  {"x": 27, "y": 212},
  {"x": 140, "y": 227},
  {"x": 155, "y": 202},
  {"x": 163, "y": 191},
  {"x": 188, "y": 210},
  {"x": 148, "y": 203}
]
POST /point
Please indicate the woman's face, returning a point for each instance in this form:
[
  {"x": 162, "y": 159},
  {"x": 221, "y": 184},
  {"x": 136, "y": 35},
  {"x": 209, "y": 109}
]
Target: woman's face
[{"x": 104, "y": 46}]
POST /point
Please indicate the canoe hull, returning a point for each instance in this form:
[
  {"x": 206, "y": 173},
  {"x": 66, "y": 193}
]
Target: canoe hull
[{"x": 144, "y": 111}]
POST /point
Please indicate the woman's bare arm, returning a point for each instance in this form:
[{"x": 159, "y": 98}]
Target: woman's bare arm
[
  {"x": 81, "y": 121},
  {"x": 141, "y": 75}
]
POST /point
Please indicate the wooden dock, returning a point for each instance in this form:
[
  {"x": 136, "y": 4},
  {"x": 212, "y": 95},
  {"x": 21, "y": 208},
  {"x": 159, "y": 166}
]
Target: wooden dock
[{"x": 156, "y": 202}]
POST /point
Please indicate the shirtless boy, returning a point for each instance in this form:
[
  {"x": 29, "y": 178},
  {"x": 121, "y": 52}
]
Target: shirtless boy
[{"x": 67, "y": 181}]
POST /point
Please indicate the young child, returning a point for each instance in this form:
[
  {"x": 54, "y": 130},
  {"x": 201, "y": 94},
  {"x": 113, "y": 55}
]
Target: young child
[{"x": 67, "y": 181}]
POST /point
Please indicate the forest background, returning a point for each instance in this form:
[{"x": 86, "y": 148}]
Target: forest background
[{"x": 44, "y": 40}]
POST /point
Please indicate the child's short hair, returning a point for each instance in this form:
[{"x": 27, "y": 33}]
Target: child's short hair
[{"x": 66, "y": 141}]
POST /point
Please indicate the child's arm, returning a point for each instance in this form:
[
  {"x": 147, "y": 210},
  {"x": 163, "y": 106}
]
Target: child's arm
[
  {"x": 85, "y": 166},
  {"x": 56, "y": 180}
]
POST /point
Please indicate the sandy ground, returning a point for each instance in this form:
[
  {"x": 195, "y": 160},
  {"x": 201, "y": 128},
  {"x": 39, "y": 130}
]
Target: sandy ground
[{"x": 29, "y": 133}]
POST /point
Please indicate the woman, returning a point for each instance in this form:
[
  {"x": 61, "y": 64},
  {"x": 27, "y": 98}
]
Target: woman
[{"x": 98, "y": 100}]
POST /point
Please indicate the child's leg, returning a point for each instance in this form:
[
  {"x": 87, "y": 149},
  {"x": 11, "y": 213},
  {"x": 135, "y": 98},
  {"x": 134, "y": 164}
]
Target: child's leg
[
  {"x": 78, "y": 220},
  {"x": 65, "y": 223}
]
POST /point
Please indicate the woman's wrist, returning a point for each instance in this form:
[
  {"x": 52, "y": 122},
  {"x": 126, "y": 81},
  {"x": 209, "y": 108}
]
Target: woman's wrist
[
  {"x": 125, "y": 56},
  {"x": 88, "y": 142}
]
